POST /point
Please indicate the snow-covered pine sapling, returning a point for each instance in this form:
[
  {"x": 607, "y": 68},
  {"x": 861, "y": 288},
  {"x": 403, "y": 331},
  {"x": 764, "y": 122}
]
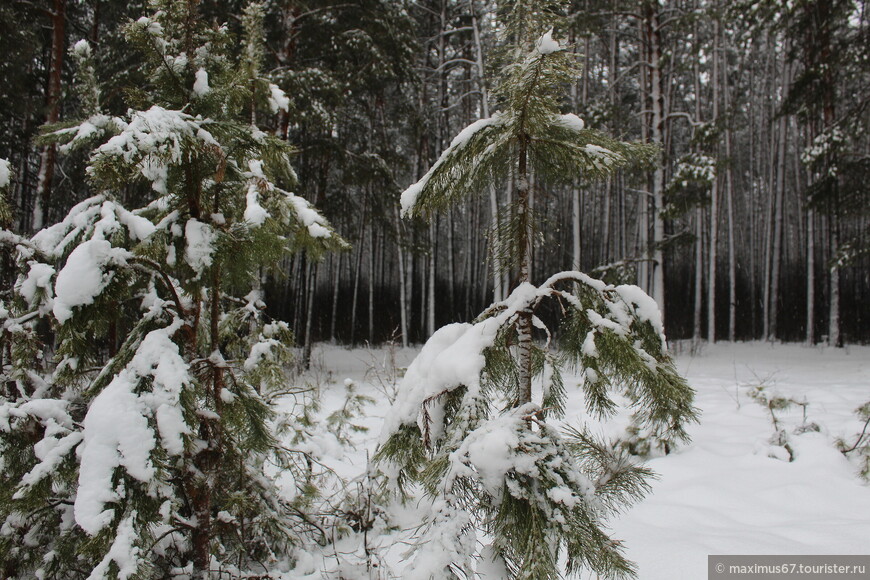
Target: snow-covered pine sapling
[
  {"x": 141, "y": 451},
  {"x": 776, "y": 403},
  {"x": 341, "y": 421},
  {"x": 471, "y": 421},
  {"x": 383, "y": 369},
  {"x": 861, "y": 444}
]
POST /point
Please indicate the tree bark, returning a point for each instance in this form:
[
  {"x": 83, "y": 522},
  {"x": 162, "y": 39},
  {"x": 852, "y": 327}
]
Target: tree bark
[
  {"x": 714, "y": 203},
  {"x": 699, "y": 276},
  {"x": 498, "y": 290},
  {"x": 371, "y": 283},
  {"x": 48, "y": 156},
  {"x": 430, "y": 313},
  {"x": 729, "y": 200},
  {"x": 311, "y": 291},
  {"x": 524, "y": 324},
  {"x": 336, "y": 282},
  {"x": 779, "y": 212},
  {"x": 356, "y": 274},
  {"x": 652, "y": 26},
  {"x": 403, "y": 294},
  {"x": 811, "y": 278}
]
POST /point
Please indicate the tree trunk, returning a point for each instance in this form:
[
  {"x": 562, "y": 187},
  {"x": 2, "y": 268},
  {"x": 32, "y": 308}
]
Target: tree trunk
[
  {"x": 699, "y": 276},
  {"x": 779, "y": 212},
  {"x": 834, "y": 338},
  {"x": 430, "y": 315},
  {"x": 811, "y": 278},
  {"x": 371, "y": 283},
  {"x": 643, "y": 242},
  {"x": 575, "y": 227},
  {"x": 771, "y": 179},
  {"x": 498, "y": 291},
  {"x": 403, "y": 293},
  {"x": 356, "y": 274},
  {"x": 524, "y": 324},
  {"x": 729, "y": 200},
  {"x": 311, "y": 290},
  {"x": 48, "y": 156},
  {"x": 658, "y": 134},
  {"x": 714, "y": 203},
  {"x": 336, "y": 283},
  {"x": 451, "y": 268}
]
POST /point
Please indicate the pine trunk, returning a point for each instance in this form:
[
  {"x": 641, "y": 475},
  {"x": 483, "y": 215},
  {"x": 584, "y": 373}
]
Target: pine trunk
[{"x": 48, "y": 156}]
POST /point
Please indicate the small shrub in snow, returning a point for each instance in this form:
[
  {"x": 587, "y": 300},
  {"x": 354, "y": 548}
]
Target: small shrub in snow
[
  {"x": 861, "y": 445},
  {"x": 776, "y": 403}
]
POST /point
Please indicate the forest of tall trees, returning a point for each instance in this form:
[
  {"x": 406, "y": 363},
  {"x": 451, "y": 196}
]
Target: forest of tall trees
[{"x": 751, "y": 222}]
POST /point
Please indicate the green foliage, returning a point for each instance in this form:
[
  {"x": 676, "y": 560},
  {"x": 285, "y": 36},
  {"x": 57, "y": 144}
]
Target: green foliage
[
  {"x": 775, "y": 404},
  {"x": 453, "y": 441},
  {"x": 560, "y": 147},
  {"x": 861, "y": 444},
  {"x": 158, "y": 327},
  {"x": 690, "y": 184},
  {"x": 341, "y": 421},
  {"x": 464, "y": 426}
]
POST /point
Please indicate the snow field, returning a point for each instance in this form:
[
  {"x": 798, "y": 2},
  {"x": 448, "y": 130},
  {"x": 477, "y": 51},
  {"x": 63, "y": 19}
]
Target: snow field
[{"x": 731, "y": 491}]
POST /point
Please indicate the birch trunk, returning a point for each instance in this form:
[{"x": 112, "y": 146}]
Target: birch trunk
[
  {"x": 729, "y": 200},
  {"x": 451, "y": 267},
  {"x": 403, "y": 298},
  {"x": 811, "y": 278},
  {"x": 575, "y": 228},
  {"x": 371, "y": 283},
  {"x": 714, "y": 203},
  {"x": 336, "y": 282},
  {"x": 356, "y": 275},
  {"x": 699, "y": 276},
  {"x": 834, "y": 338},
  {"x": 776, "y": 256},
  {"x": 311, "y": 291},
  {"x": 658, "y": 134},
  {"x": 498, "y": 290},
  {"x": 524, "y": 325},
  {"x": 430, "y": 314},
  {"x": 643, "y": 243}
]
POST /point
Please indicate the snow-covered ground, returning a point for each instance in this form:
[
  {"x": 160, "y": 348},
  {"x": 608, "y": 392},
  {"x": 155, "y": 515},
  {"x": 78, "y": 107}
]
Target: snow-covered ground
[{"x": 731, "y": 491}]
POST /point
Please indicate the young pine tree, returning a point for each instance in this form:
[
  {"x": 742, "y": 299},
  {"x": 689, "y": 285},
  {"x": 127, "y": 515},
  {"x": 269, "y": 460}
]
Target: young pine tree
[
  {"x": 471, "y": 423},
  {"x": 136, "y": 446}
]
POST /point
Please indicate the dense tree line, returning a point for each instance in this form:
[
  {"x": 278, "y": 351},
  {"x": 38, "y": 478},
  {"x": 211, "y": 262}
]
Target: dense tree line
[{"x": 752, "y": 221}]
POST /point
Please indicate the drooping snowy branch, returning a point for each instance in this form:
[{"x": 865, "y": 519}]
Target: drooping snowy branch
[
  {"x": 445, "y": 168},
  {"x": 122, "y": 426}
]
